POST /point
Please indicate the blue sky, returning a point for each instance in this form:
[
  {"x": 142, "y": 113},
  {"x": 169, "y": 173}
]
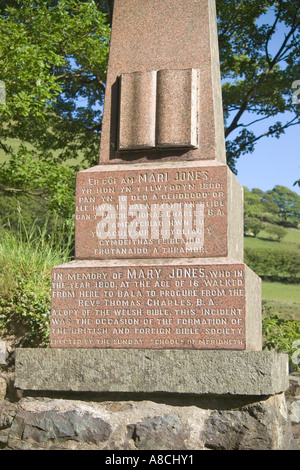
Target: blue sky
[{"x": 274, "y": 161}]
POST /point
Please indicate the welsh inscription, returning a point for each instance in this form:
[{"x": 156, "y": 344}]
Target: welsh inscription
[{"x": 152, "y": 213}]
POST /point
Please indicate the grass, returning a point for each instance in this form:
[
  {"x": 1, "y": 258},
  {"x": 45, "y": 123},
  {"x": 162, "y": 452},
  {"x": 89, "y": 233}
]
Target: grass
[
  {"x": 278, "y": 292},
  {"x": 26, "y": 261},
  {"x": 27, "y": 253},
  {"x": 291, "y": 241},
  {"x": 293, "y": 236},
  {"x": 283, "y": 299}
]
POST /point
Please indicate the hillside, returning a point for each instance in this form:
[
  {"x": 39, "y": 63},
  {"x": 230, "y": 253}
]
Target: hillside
[{"x": 282, "y": 297}]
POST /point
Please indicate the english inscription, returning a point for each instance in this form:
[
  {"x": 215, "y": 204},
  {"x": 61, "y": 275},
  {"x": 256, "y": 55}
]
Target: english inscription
[{"x": 160, "y": 307}]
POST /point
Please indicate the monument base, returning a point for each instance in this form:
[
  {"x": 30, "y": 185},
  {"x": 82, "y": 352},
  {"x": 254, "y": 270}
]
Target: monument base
[{"x": 152, "y": 371}]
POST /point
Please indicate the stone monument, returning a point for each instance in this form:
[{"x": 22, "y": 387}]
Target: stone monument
[
  {"x": 159, "y": 222},
  {"x": 158, "y": 298}
]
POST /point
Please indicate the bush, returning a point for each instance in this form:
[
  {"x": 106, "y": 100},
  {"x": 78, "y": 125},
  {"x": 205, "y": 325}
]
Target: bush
[
  {"x": 274, "y": 265},
  {"x": 25, "y": 282},
  {"x": 284, "y": 336},
  {"x": 277, "y": 231},
  {"x": 25, "y": 311},
  {"x": 254, "y": 226}
]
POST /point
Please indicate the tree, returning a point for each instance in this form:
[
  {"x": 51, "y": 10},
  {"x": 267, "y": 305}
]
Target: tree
[
  {"x": 277, "y": 231},
  {"x": 53, "y": 60},
  {"x": 253, "y": 226},
  {"x": 253, "y": 207},
  {"x": 257, "y": 76},
  {"x": 288, "y": 203}
]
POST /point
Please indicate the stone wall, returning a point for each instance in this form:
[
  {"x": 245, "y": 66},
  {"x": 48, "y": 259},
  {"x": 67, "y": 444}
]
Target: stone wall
[
  {"x": 146, "y": 421},
  {"x": 52, "y": 423}
]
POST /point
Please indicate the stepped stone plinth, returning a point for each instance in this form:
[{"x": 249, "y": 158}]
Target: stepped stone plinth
[{"x": 158, "y": 298}]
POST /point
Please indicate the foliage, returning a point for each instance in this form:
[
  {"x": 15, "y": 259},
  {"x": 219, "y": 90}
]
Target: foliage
[
  {"x": 275, "y": 265},
  {"x": 39, "y": 178},
  {"x": 253, "y": 226},
  {"x": 52, "y": 55},
  {"x": 258, "y": 72},
  {"x": 253, "y": 205},
  {"x": 288, "y": 203},
  {"x": 53, "y": 59},
  {"x": 283, "y": 335},
  {"x": 26, "y": 260},
  {"x": 277, "y": 206},
  {"x": 277, "y": 231}
]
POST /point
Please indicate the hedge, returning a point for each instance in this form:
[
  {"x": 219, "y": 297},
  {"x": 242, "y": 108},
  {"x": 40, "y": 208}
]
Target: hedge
[{"x": 274, "y": 265}]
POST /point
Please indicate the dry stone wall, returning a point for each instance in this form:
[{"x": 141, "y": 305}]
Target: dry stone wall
[{"x": 95, "y": 422}]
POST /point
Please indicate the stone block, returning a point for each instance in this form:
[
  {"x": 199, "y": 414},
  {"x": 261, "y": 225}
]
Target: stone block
[
  {"x": 3, "y": 353},
  {"x": 152, "y": 371},
  {"x": 177, "y": 108},
  {"x": 56, "y": 424},
  {"x": 52, "y": 423},
  {"x": 137, "y": 110},
  {"x": 162, "y": 210},
  {"x": 159, "y": 304},
  {"x": 159, "y": 433},
  {"x": 156, "y": 36}
]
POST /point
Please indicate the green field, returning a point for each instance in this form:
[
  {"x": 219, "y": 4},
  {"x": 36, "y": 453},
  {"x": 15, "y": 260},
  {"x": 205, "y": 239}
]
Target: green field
[
  {"x": 283, "y": 299},
  {"x": 290, "y": 242}
]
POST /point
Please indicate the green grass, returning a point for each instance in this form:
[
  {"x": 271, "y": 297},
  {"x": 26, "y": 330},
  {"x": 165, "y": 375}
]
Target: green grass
[
  {"x": 26, "y": 261},
  {"x": 277, "y": 292},
  {"x": 290, "y": 242},
  {"x": 282, "y": 299},
  {"x": 293, "y": 236}
]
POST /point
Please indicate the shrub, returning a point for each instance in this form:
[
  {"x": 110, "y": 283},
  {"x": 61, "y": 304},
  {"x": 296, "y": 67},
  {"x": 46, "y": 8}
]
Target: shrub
[
  {"x": 277, "y": 231},
  {"x": 253, "y": 226},
  {"x": 283, "y": 335},
  {"x": 274, "y": 265}
]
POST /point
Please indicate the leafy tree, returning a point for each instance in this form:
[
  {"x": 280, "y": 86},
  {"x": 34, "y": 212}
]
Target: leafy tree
[
  {"x": 253, "y": 206},
  {"x": 252, "y": 225},
  {"x": 53, "y": 59},
  {"x": 269, "y": 204},
  {"x": 257, "y": 76},
  {"x": 259, "y": 206},
  {"x": 289, "y": 205},
  {"x": 277, "y": 231}
]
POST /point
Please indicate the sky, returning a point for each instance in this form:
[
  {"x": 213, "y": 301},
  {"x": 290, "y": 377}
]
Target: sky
[{"x": 274, "y": 161}]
